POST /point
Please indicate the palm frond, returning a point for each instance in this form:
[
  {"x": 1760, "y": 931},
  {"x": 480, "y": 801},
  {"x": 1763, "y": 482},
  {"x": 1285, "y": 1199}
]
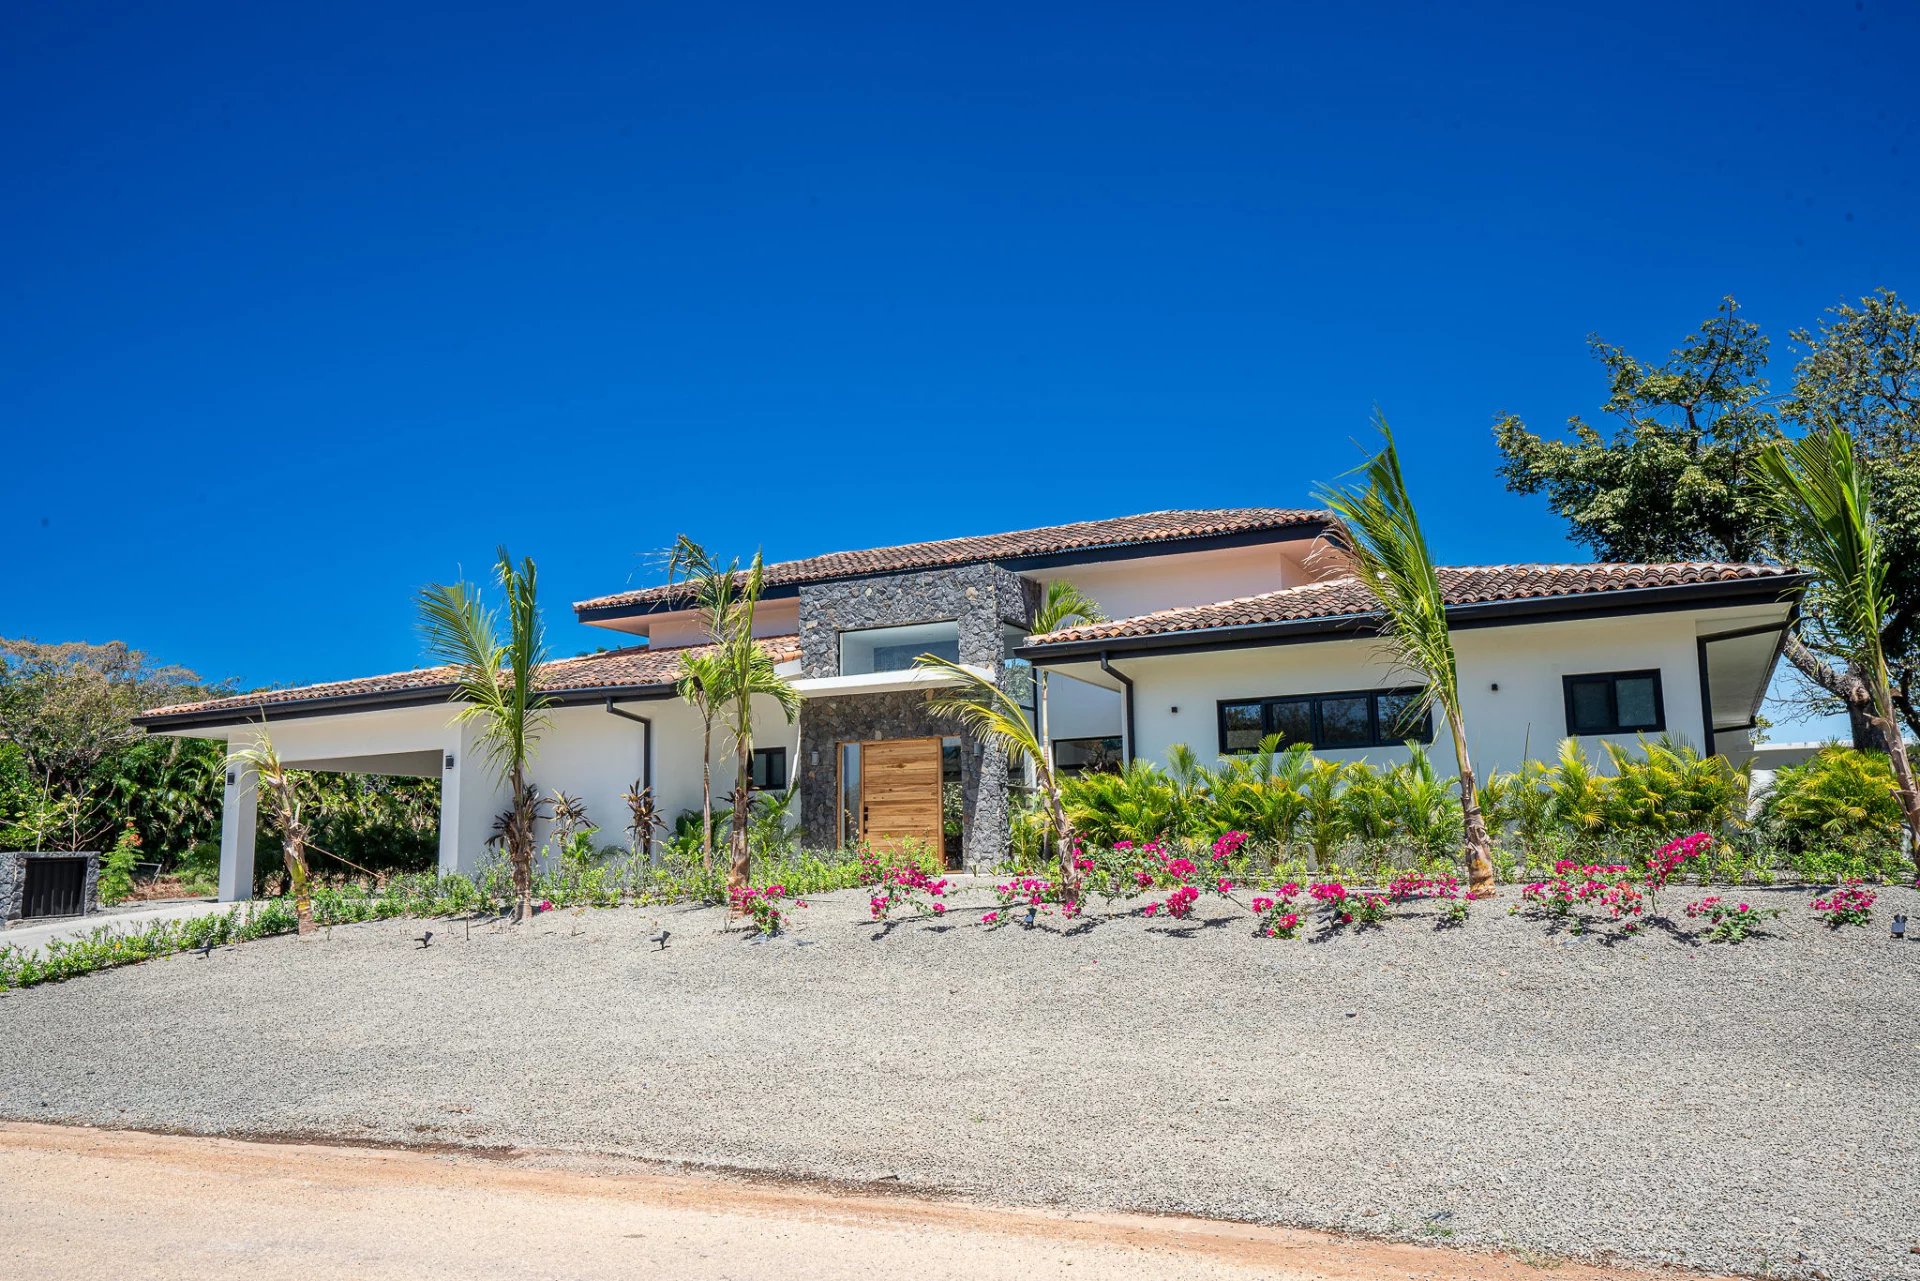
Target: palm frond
[
  {"x": 984, "y": 709},
  {"x": 1389, "y": 554},
  {"x": 1065, "y": 605},
  {"x": 1819, "y": 493}
]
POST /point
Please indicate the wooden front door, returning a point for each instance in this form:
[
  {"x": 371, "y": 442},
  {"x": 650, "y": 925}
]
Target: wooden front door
[{"x": 900, "y": 794}]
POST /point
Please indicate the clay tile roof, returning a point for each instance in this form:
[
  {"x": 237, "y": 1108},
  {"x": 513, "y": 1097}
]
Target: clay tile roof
[
  {"x": 1466, "y": 585},
  {"x": 1086, "y": 535},
  {"x": 633, "y": 668}
]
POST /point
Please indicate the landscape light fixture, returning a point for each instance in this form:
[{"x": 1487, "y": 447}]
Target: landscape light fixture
[{"x": 1899, "y": 925}]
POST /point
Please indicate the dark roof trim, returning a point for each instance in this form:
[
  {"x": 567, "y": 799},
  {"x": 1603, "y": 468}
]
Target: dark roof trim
[
  {"x": 1543, "y": 609},
  {"x": 380, "y": 700},
  {"x": 1095, "y": 555}
]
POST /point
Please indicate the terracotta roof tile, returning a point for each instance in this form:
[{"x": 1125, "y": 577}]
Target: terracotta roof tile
[
  {"x": 1122, "y": 531},
  {"x": 634, "y": 667},
  {"x": 1465, "y": 585}
]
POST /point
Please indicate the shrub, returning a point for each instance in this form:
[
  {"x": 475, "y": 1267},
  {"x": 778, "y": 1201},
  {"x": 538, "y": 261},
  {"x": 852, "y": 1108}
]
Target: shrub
[
  {"x": 1278, "y": 917},
  {"x": 1851, "y": 904},
  {"x": 1729, "y": 922},
  {"x": 1837, "y": 815},
  {"x": 763, "y": 907},
  {"x": 907, "y": 886},
  {"x": 116, "y": 869},
  {"x": 108, "y": 947}
]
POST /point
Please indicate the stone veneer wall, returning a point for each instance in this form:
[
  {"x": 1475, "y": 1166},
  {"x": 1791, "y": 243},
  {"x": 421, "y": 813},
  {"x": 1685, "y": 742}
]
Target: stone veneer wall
[
  {"x": 982, "y": 600},
  {"x": 13, "y": 880}
]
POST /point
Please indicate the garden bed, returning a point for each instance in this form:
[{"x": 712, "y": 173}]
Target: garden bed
[{"x": 1743, "y": 1108}]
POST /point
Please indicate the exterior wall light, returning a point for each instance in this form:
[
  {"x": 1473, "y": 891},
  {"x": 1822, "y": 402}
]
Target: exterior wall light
[
  {"x": 232, "y": 778},
  {"x": 449, "y": 760}
]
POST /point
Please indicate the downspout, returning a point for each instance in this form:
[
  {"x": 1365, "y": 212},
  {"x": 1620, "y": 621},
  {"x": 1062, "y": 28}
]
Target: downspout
[
  {"x": 646, "y": 753},
  {"x": 1126, "y": 699}
]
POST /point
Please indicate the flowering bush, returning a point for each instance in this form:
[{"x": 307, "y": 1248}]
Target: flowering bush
[
  {"x": 1729, "y": 922},
  {"x": 910, "y": 887},
  {"x": 1278, "y": 917},
  {"x": 1032, "y": 893},
  {"x": 1851, "y": 904},
  {"x": 1228, "y": 845},
  {"x": 1671, "y": 857},
  {"x": 1453, "y": 911},
  {"x": 1348, "y": 907},
  {"x": 1607, "y": 886},
  {"x": 1178, "y": 904},
  {"x": 763, "y": 906}
]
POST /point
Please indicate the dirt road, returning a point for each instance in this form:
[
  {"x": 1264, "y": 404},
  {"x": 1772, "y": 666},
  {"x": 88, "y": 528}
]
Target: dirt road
[{"x": 88, "y": 1203}]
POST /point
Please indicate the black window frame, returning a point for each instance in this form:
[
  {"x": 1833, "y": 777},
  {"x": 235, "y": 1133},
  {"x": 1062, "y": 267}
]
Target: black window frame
[
  {"x": 771, "y": 754},
  {"x": 1375, "y": 735},
  {"x": 1613, "y": 680}
]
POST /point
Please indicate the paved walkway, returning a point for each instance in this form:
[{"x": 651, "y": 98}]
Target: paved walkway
[
  {"x": 96, "y": 1203},
  {"x": 129, "y": 917}
]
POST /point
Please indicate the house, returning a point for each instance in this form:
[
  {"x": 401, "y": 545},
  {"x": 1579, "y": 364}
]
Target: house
[{"x": 1227, "y": 625}]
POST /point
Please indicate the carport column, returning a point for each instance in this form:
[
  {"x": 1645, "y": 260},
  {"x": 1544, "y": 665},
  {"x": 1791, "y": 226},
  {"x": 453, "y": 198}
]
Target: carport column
[
  {"x": 239, "y": 815},
  {"x": 470, "y": 797}
]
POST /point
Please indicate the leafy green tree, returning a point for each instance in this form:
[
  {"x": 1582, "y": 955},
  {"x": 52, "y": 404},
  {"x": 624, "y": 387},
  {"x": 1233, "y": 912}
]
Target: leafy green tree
[
  {"x": 1820, "y": 492},
  {"x": 1390, "y": 558},
  {"x": 68, "y": 709},
  {"x": 497, "y": 686},
  {"x": 1678, "y": 478}
]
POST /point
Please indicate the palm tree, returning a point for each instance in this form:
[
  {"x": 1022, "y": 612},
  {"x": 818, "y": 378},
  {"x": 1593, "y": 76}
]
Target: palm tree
[
  {"x": 730, "y": 675},
  {"x": 1818, "y": 491},
  {"x": 699, "y": 685},
  {"x": 1063, "y": 606},
  {"x": 991, "y": 715},
  {"x": 283, "y": 790},
  {"x": 1382, "y": 538},
  {"x": 748, "y": 673},
  {"x": 496, "y": 684}
]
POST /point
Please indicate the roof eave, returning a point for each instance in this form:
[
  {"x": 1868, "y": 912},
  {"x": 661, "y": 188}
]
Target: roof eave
[
  {"x": 1307, "y": 527},
  {"x": 1780, "y": 588},
  {"x": 382, "y": 700}
]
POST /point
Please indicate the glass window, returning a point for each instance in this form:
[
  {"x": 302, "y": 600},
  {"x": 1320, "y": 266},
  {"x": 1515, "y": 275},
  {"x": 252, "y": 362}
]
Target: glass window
[
  {"x": 849, "y": 795},
  {"x": 1346, "y": 721},
  {"x": 1614, "y": 703},
  {"x": 769, "y": 768},
  {"x": 1402, "y": 717},
  {"x": 1291, "y": 720},
  {"x": 1637, "y": 702},
  {"x": 893, "y": 649},
  {"x": 1356, "y": 718},
  {"x": 1241, "y": 727},
  {"x": 1090, "y": 755}
]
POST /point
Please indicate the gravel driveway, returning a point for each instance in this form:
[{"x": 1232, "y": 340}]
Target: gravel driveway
[{"x": 1749, "y": 1109}]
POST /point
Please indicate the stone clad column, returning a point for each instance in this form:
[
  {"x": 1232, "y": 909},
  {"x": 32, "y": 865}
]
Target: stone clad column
[{"x": 239, "y": 817}]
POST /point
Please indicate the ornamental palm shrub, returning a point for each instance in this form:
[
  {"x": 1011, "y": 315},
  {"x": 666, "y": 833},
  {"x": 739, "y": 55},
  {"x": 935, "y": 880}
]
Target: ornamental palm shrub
[
  {"x": 1426, "y": 811},
  {"x": 1838, "y": 807},
  {"x": 1579, "y": 795},
  {"x": 1259, "y": 793},
  {"x": 1138, "y": 804},
  {"x": 1326, "y": 826},
  {"x": 1672, "y": 790}
]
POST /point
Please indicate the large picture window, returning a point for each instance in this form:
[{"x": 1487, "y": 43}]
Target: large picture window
[
  {"x": 1350, "y": 718},
  {"x": 1615, "y": 703}
]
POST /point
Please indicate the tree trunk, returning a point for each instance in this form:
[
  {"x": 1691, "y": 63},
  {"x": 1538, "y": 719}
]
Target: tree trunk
[
  {"x": 706, "y": 797},
  {"x": 1850, "y": 687},
  {"x": 520, "y": 847},
  {"x": 294, "y": 849},
  {"x": 1479, "y": 846},
  {"x": 741, "y": 871}
]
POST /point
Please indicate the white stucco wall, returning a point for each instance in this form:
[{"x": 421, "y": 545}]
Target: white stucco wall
[
  {"x": 1525, "y": 717},
  {"x": 1125, "y": 588},
  {"x": 777, "y": 617}
]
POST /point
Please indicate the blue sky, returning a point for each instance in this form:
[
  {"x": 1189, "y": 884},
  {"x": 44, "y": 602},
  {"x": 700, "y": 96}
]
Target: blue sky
[{"x": 304, "y": 309}]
